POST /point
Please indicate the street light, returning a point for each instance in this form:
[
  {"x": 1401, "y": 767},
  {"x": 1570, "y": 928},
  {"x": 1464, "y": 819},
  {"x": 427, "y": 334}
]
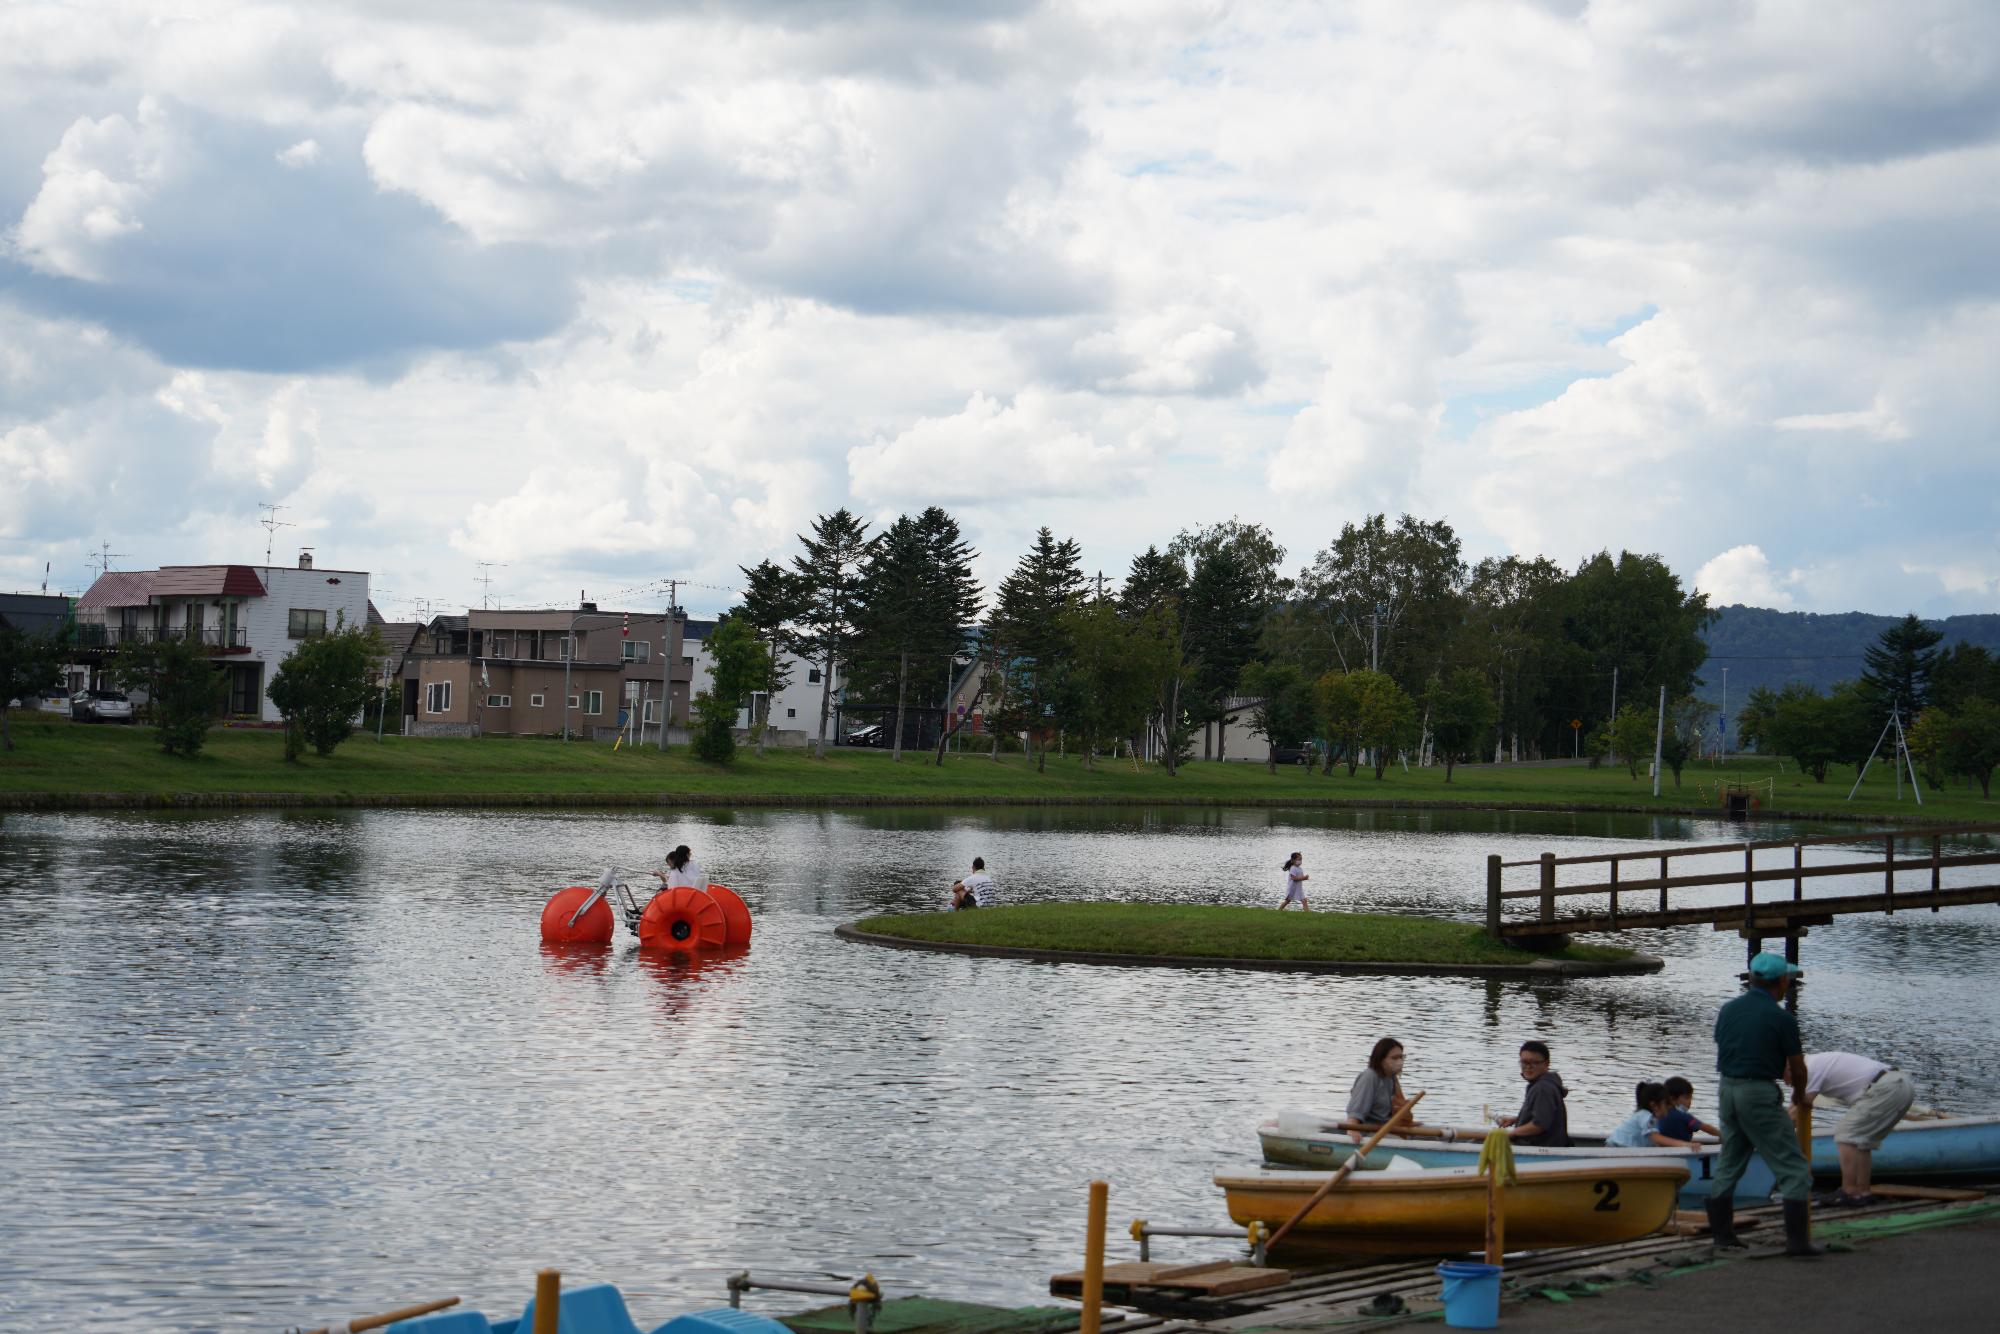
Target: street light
[{"x": 569, "y": 656}]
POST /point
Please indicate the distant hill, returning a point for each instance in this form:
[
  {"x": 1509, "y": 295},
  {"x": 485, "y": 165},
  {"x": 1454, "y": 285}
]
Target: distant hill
[{"x": 1761, "y": 647}]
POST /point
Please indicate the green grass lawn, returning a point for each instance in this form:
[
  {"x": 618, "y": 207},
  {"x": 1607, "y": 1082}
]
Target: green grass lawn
[
  {"x": 1222, "y": 933},
  {"x": 54, "y": 756}
]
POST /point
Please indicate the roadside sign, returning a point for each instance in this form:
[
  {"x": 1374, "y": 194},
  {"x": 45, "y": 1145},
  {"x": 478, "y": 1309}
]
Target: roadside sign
[{"x": 1575, "y": 723}]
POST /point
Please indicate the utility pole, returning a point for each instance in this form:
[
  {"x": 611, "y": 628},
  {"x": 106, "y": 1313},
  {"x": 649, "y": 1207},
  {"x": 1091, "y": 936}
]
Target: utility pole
[
  {"x": 272, "y": 523},
  {"x": 1659, "y": 734},
  {"x": 667, "y": 662},
  {"x": 1722, "y": 727},
  {"x": 1614, "y": 694}
]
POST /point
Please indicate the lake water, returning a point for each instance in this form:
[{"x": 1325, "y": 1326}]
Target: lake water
[{"x": 263, "y": 1069}]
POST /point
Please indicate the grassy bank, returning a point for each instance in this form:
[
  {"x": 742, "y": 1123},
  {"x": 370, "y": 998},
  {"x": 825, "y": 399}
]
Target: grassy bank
[
  {"x": 65, "y": 760},
  {"x": 1160, "y": 929}
]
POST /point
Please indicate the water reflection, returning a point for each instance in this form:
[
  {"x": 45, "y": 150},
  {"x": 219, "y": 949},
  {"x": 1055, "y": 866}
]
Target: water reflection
[{"x": 273, "y": 1065}]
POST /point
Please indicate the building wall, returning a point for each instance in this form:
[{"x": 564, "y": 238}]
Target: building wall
[
  {"x": 266, "y": 621},
  {"x": 796, "y": 708}
]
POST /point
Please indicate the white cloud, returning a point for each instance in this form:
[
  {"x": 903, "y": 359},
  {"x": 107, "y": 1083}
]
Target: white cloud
[
  {"x": 95, "y": 185},
  {"x": 1744, "y": 574},
  {"x": 301, "y": 154},
  {"x": 1878, "y": 420}
]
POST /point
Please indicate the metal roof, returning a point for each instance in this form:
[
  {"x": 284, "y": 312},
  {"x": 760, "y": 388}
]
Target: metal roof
[
  {"x": 118, "y": 588},
  {"x": 207, "y": 581}
]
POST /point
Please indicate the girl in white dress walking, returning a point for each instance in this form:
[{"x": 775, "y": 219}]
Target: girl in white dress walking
[{"x": 1295, "y": 882}]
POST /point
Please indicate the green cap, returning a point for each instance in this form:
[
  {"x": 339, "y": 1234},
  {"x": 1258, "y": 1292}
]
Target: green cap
[{"x": 1771, "y": 967}]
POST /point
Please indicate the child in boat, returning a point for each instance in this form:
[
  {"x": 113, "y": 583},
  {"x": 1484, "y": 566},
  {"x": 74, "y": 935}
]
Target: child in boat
[
  {"x": 682, "y": 870},
  {"x": 1642, "y": 1129},
  {"x": 1679, "y": 1122}
]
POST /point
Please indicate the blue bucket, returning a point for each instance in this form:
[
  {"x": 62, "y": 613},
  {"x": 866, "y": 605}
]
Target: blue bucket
[{"x": 1471, "y": 1294}]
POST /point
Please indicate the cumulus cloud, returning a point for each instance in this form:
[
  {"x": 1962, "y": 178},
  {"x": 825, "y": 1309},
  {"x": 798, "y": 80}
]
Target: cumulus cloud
[
  {"x": 1682, "y": 278},
  {"x": 1744, "y": 574}
]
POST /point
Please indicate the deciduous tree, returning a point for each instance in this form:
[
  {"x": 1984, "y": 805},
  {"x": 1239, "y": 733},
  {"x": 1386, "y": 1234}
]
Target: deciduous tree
[
  {"x": 324, "y": 685},
  {"x": 29, "y": 665},
  {"x": 1461, "y": 711},
  {"x": 184, "y": 691}
]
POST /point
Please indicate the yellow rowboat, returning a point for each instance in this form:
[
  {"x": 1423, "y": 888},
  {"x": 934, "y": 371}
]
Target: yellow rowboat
[{"x": 1423, "y": 1210}]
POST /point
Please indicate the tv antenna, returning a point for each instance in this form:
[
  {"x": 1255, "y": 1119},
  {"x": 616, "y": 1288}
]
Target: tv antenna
[
  {"x": 103, "y": 558},
  {"x": 485, "y": 580},
  {"x": 272, "y": 523}
]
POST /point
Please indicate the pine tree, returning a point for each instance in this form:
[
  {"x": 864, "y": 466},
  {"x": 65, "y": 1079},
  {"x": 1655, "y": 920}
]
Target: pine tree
[
  {"x": 1897, "y": 668},
  {"x": 1028, "y": 631},
  {"x": 773, "y": 601},
  {"x": 829, "y": 583}
]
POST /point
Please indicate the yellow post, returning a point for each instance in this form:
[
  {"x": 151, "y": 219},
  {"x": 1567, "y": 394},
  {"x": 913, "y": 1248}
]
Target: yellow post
[
  {"x": 1802, "y": 1121},
  {"x": 1496, "y": 1220},
  {"x": 1093, "y": 1260},
  {"x": 548, "y": 1300}
]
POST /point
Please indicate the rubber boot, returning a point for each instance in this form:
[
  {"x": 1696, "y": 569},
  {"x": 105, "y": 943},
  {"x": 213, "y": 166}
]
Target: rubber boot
[
  {"x": 1722, "y": 1224},
  {"x": 1798, "y": 1230}
]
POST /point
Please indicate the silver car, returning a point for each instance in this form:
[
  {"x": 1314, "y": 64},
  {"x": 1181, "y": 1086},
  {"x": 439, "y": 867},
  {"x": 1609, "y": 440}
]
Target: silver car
[{"x": 100, "y": 706}]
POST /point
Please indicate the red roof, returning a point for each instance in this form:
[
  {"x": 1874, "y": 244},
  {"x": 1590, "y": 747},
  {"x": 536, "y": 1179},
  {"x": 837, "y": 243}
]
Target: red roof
[
  {"x": 118, "y": 588},
  {"x": 207, "y": 581}
]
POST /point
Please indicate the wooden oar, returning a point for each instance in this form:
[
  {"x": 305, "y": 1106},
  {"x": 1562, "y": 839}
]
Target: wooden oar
[
  {"x": 1345, "y": 1168},
  {"x": 387, "y": 1317}
]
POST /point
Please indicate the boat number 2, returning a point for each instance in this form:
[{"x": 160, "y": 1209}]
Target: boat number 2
[{"x": 1609, "y": 1191}]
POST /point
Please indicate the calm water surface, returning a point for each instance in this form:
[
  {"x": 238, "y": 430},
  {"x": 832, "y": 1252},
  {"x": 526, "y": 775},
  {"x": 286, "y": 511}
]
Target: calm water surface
[{"x": 264, "y": 1069}]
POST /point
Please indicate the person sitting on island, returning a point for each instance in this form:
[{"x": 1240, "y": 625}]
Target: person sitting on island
[
  {"x": 682, "y": 871},
  {"x": 1877, "y": 1096},
  {"x": 975, "y": 891},
  {"x": 1543, "y": 1120},
  {"x": 1680, "y": 1122},
  {"x": 1295, "y": 882},
  {"x": 1377, "y": 1094},
  {"x": 1642, "y": 1128}
]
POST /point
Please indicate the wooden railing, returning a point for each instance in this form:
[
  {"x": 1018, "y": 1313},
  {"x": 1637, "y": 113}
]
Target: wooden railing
[{"x": 1935, "y": 860}]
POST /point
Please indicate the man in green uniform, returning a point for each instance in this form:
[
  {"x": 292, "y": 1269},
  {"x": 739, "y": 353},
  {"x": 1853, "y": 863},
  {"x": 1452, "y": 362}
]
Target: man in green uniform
[{"x": 1756, "y": 1044}]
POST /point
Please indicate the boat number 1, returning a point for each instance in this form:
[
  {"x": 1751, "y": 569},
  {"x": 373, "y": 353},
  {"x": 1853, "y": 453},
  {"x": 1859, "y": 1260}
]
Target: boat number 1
[{"x": 1609, "y": 1190}]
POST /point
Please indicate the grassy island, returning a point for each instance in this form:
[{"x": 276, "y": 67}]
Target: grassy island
[{"x": 1203, "y": 932}]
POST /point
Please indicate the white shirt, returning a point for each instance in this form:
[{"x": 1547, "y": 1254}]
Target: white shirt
[
  {"x": 689, "y": 875},
  {"x": 980, "y": 886},
  {"x": 1295, "y": 881},
  {"x": 1840, "y": 1074}
]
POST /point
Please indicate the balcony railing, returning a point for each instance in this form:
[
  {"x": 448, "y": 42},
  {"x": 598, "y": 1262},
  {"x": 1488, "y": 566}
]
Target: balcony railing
[{"x": 112, "y": 636}]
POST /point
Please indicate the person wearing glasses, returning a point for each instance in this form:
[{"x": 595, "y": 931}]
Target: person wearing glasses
[{"x": 1543, "y": 1120}]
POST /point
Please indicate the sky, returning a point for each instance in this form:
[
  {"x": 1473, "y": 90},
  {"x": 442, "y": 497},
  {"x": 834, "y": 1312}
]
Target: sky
[{"x": 577, "y": 297}]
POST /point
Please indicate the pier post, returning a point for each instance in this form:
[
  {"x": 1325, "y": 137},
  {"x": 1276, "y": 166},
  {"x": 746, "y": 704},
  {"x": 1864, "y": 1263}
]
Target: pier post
[
  {"x": 1548, "y": 887},
  {"x": 1093, "y": 1261},
  {"x": 548, "y": 1300},
  {"x": 1493, "y": 895}
]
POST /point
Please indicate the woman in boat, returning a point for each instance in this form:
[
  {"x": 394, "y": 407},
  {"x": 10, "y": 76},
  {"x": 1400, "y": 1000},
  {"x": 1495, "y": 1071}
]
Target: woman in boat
[
  {"x": 682, "y": 870},
  {"x": 1642, "y": 1128},
  {"x": 1377, "y": 1094}
]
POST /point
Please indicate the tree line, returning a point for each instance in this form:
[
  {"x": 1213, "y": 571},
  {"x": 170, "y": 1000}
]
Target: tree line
[
  {"x": 1947, "y": 700},
  {"x": 1386, "y": 646}
]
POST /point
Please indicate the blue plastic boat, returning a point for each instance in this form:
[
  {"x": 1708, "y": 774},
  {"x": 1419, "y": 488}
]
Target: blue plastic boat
[{"x": 598, "y": 1308}]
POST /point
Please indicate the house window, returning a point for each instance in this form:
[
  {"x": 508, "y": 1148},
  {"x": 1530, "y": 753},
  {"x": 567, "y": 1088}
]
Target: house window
[
  {"x": 500, "y": 643},
  {"x": 566, "y": 648},
  {"x": 812, "y": 675},
  {"x": 534, "y": 701},
  {"x": 650, "y": 712},
  {"x": 499, "y": 701},
  {"x": 437, "y": 697},
  {"x": 791, "y": 713},
  {"x": 572, "y": 701},
  {"x": 635, "y": 650},
  {"x": 687, "y": 662},
  {"x": 307, "y": 623},
  {"x": 593, "y": 701}
]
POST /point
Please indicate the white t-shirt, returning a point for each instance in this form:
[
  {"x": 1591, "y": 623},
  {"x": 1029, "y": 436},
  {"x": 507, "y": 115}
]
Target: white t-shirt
[
  {"x": 1840, "y": 1074},
  {"x": 690, "y": 875},
  {"x": 980, "y": 886},
  {"x": 1295, "y": 882}
]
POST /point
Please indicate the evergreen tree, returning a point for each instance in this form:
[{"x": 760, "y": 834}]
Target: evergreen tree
[
  {"x": 1233, "y": 584},
  {"x": 1029, "y": 632},
  {"x": 1962, "y": 672},
  {"x": 918, "y": 595},
  {"x": 1897, "y": 668},
  {"x": 829, "y": 583},
  {"x": 773, "y": 600}
]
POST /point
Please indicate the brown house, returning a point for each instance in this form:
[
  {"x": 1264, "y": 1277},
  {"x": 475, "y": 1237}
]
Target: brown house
[{"x": 531, "y": 672}]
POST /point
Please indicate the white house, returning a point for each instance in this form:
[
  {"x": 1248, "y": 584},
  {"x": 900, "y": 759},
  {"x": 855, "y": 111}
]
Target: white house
[
  {"x": 795, "y": 710},
  {"x": 250, "y": 617}
]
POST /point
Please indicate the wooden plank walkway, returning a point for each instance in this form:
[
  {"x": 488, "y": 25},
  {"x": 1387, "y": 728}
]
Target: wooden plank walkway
[{"x": 1320, "y": 1297}]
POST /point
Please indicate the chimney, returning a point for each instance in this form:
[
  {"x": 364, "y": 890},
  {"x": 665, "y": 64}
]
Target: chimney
[
  {"x": 305, "y": 560},
  {"x": 588, "y": 606}
]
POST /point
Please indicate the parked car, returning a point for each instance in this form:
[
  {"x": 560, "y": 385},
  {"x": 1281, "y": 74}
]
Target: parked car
[
  {"x": 1295, "y": 754},
  {"x": 100, "y": 706},
  {"x": 870, "y": 735}
]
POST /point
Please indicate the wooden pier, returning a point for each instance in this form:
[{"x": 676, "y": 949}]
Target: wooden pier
[
  {"x": 1327, "y": 1296},
  {"x": 1755, "y": 915}
]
